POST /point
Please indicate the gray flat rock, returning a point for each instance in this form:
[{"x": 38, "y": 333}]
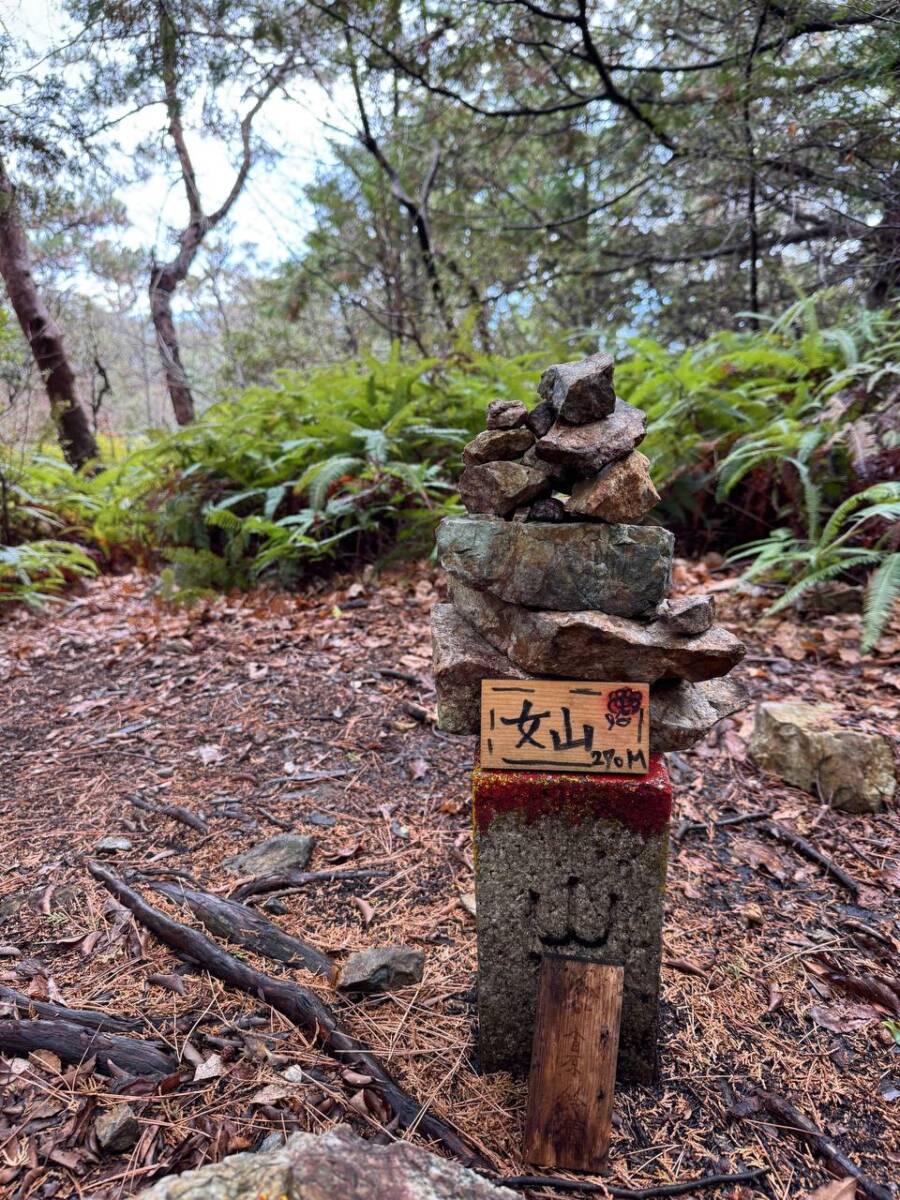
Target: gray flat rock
[
  {"x": 283, "y": 852},
  {"x": 462, "y": 658},
  {"x": 383, "y": 969},
  {"x": 117, "y": 1129},
  {"x": 594, "y": 645},
  {"x": 620, "y": 569},
  {"x": 586, "y": 449},
  {"x": 682, "y": 713},
  {"x": 580, "y": 391},
  {"x": 499, "y": 487},
  {"x": 338, "y": 1165}
]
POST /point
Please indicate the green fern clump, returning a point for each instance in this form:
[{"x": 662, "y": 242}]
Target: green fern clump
[
  {"x": 347, "y": 461},
  {"x": 36, "y": 572},
  {"x": 754, "y": 420},
  {"x": 750, "y": 432},
  {"x": 838, "y": 548}
]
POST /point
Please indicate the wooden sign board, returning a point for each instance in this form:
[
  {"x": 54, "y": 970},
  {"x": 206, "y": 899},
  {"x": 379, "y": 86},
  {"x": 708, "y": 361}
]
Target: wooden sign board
[{"x": 565, "y": 725}]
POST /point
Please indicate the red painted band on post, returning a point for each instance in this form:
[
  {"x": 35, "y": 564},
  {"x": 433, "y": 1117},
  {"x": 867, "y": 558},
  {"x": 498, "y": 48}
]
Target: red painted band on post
[{"x": 642, "y": 803}]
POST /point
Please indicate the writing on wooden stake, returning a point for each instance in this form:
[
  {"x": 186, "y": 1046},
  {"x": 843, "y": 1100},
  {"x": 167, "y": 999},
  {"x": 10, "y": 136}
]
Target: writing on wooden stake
[
  {"x": 568, "y": 1121},
  {"x": 565, "y": 725}
]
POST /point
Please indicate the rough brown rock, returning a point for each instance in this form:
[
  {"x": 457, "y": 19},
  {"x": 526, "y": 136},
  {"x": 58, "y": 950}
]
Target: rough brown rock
[
  {"x": 462, "y": 658},
  {"x": 622, "y": 493},
  {"x": 540, "y": 419},
  {"x": 594, "y": 645},
  {"x": 586, "y": 449},
  {"x": 383, "y": 969},
  {"x": 336, "y": 1165},
  {"x": 687, "y": 615},
  {"x": 506, "y": 414},
  {"x": 580, "y": 391},
  {"x": 808, "y": 747},
  {"x": 499, "y": 487},
  {"x": 621, "y": 569},
  {"x": 117, "y": 1129},
  {"x": 682, "y": 713},
  {"x": 493, "y": 445}
]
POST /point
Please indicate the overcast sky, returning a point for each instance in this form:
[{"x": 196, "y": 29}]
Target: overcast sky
[{"x": 269, "y": 216}]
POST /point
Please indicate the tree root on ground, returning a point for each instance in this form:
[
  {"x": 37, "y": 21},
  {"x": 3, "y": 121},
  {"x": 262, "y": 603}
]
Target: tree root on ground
[
  {"x": 241, "y": 925},
  {"x": 74, "y": 1044},
  {"x": 301, "y": 1006},
  {"x": 788, "y": 1119}
]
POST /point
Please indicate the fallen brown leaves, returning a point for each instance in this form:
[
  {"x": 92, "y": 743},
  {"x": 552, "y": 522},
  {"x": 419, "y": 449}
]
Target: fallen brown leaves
[{"x": 266, "y": 712}]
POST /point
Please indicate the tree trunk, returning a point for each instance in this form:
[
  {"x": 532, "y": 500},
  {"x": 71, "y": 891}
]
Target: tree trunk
[
  {"x": 162, "y": 284},
  {"x": 43, "y": 335},
  {"x": 885, "y": 242}
]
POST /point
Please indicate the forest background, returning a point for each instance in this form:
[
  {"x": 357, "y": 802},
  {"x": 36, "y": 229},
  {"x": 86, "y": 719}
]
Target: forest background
[{"x": 266, "y": 263}]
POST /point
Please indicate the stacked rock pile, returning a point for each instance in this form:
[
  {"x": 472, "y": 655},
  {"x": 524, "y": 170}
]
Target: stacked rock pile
[{"x": 552, "y": 574}]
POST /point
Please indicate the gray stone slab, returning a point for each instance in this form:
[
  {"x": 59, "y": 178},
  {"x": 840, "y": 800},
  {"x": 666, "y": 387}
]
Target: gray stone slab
[
  {"x": 594, "y": 645},
  {"x": 620, "y": 569},
  {"x": 682, "y": 713},
  {"x": 283, "y": 852}
]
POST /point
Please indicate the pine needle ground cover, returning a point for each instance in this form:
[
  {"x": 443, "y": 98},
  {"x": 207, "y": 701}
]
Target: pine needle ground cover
[{"x": 265, "y": 711}]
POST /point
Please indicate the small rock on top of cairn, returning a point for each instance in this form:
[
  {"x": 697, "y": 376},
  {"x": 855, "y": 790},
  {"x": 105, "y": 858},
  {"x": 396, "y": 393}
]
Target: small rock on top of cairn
[{"x": 580, "y": 391}]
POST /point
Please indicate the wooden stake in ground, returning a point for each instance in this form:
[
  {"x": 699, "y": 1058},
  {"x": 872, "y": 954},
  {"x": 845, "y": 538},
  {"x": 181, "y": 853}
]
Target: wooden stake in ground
[{"x": 573, "y": 1066}]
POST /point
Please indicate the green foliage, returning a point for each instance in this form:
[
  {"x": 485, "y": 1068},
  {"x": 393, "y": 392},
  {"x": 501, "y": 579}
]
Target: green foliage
[
  {"x": 36, "y": 572},
  {"x": 774, "y": 411},
  {"x": 773, "y": 440},
  {"x": 836, "y": 549},
  {"x": 350, "y": 460}
]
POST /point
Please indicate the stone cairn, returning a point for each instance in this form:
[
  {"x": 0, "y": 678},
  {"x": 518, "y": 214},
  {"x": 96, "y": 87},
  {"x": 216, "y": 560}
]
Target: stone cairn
[{"x": 552, "y": 574}]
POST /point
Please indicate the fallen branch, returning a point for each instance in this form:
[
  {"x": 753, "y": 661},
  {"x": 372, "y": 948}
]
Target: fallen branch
[
  {"x": 605, "y": 1189},
  {"x": 406, "y": 676},
  {"x": 791, "y": 1120},
  {"x": 241, "y": 925},
  {"x": 301, "y": 1006},
  {"x": 86, "y": 1017},
  {"x": 175, "y": 811},
  {"x": 296, "y": 879},
  {"x": 74, "y": 1044},
  {"x": 809, "y": 851},
  {"x": 737, "y": 819}
]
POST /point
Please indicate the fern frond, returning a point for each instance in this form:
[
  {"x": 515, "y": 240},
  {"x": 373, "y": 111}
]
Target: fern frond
[{"x": 881, "y": 594}]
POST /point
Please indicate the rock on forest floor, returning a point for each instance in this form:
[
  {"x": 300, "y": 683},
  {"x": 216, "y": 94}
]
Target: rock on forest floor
[{"x": 265, "y": 713}]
